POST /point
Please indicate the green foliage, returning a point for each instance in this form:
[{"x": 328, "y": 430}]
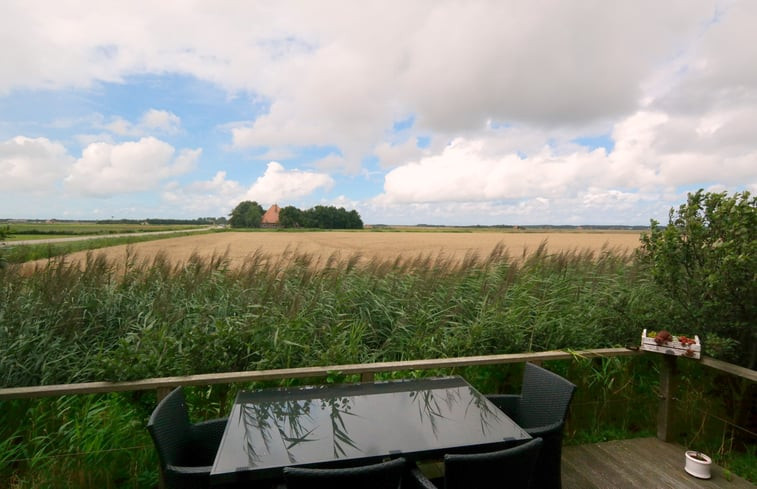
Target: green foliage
[
  {"x": 67, "y": 323},
  {"x": 246, "y": 214},
  {"x": 3, "y": 234},
  {"x": 705, "y": 262},
  {"x": 76, "y": 441},
  {"x": 320, "y": 217},
  {"x": 615, "y": 398},
  {"x": 291, "y": 217},
  {"x": 153, "y": 319},
  {"x": 329, "y": 217},
  {"x": 249, "y": 215}
]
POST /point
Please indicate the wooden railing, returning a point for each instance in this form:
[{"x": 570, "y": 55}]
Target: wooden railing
[{"x": 367, "y": 371}]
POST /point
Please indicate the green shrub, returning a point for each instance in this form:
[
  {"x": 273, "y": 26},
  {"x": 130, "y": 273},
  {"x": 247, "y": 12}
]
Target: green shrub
[{"x": 705, "y": 262}]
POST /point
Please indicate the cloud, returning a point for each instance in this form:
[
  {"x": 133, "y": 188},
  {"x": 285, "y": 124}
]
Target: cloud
[
  {"x": 280, "y": 185},
  {"x": 391, "y": 155},
  {"x": 654, "y": 153},
  {"x": 152, "y": 121},
  {"x": 712, "y": 73},
  {"x": 466, "y": 171},
  {"x": 219, "y": 195},
  {"x": 162, "y": 120},
  {"x": 331, "y": 162},
  {"x": 344, "y": 79},
  {"x": 505, "y": 92},
  {"x": 216, "y": 196},
  {"x": 105, "y": 169},
  {"x": 32, "y": 164}
]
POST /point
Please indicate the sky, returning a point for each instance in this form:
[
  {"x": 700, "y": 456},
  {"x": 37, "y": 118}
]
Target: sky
[{"x": 504, "y": 112}]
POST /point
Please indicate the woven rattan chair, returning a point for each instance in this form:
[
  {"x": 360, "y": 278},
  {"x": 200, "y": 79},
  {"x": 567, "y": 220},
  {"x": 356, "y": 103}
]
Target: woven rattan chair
[
  {"x": 385, "y": 475},
  {"x": 541, "y": 409},
  {"x": 186, "y": 450},
  {"x": 508, "y": 468}
]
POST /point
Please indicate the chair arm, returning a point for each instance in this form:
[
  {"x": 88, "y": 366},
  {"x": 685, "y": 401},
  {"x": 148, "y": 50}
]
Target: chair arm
[
  {"x": 546, "y": 430},
  {"x": 507, "y": 403},
  {"x": 186, "y": 477},
  {"x": 211, "y": 430},
  {"x": 181, "y": 470},
  {"x": 419, "y": 481}
]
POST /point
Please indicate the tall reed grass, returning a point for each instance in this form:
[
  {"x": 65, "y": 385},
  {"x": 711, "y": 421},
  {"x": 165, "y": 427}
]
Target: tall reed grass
[
  {"x": 150, "y": 318},
  {"x": 104, "y": 321}
]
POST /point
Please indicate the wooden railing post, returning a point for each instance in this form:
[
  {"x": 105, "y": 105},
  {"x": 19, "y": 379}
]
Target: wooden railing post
[
  {"x": 665, "y": 414},
  {"x": 162, "y": 392},
  {"x": 367, "y": 377}
]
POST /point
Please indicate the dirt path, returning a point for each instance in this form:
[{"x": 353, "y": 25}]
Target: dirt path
[{"x": 99, "y": 236}]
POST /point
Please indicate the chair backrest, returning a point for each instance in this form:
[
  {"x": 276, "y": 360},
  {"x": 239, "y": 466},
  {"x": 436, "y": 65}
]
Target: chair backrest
[
  {"x": 545, "y": 397},
  {"x": 385, "y": 475},
  {"x": 170, "y": 428},
  {"x": 512, "y": 468}
]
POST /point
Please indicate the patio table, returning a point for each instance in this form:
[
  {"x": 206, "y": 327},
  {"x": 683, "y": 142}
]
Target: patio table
[{"x": 417, "y": 419}]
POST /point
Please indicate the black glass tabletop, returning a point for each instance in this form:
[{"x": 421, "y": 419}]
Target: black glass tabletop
[{"x": 272, "y": 429}]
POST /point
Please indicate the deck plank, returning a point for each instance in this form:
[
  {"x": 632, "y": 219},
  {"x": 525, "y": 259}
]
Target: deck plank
[{"x": 641, "y": 462}]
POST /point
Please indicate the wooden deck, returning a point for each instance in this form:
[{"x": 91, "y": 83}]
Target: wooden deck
[{"x": 639, "y": 463}]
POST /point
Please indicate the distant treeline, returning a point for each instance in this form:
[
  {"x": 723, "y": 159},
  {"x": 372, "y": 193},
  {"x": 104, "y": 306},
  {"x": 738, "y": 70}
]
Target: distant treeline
[
  {"x": 612, "y": 227},
  {"x": 154, "y": 221},
  {"x": 200, "y": 221},
  {"x": 322, "y": 217},
  {"x": 249, "y": 214}
]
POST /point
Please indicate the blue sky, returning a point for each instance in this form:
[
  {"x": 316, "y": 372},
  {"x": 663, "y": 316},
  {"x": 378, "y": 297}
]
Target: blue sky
[{"x": 441, "y": 112}]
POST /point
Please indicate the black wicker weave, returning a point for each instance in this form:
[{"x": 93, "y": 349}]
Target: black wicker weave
[
  {"x": 384, "y": 475},
  {"x": 186, "y": 450},
  {"x": 541, "y": 409},
  {"x": 509, "y": 468}
]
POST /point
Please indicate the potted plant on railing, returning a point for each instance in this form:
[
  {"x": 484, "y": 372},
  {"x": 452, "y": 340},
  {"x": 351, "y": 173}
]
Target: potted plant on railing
[{"x": 664, "y": 342}]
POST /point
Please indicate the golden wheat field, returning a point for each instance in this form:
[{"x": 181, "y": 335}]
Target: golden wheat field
[{"x": 237, "y": 246}]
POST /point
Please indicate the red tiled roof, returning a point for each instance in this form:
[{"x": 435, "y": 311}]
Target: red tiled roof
[{"x": 271, "y": 216}]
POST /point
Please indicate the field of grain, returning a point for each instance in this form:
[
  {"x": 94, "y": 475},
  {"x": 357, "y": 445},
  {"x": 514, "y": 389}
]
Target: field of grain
[{"x": 237, "y": 246}]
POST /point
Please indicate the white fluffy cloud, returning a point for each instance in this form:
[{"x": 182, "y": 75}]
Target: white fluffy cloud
[
  {"x": 391, "y": 155},
  {"x": 105, "y": 169},
  {"x": 646, "y": 165},
  {"x": 152, "y": 121},
  {"x": 32, "y": 164},
  {"x": 280, "y": 185},
  {"x": 219, "y": 195},
  {"x": 216, "y": 196},
  {"x": 503, "y": 90},
  {"x": 465, "y": 171},
  {"x": 343, "y": 79}
]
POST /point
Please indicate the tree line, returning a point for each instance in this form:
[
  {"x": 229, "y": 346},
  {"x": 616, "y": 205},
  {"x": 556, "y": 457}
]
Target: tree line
[
  {"x": 249, "y": 214},
  {"x": 200, "y": 221}
]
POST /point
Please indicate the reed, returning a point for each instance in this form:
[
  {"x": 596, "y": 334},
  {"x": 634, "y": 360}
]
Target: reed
[{"x": 152, "y": 318}]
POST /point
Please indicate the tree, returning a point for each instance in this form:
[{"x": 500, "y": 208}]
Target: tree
[
  {"x": 705, "y": 261},
  {"x": 353, "y": 220},
  {"x": 290, "y": 217},
  {"x": 329, "y": 217},
  {"x": 247, "y": 214}
]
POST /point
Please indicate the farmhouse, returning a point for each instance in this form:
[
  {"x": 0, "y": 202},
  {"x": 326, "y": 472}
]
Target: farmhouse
[{"x": 271, "y": 217}]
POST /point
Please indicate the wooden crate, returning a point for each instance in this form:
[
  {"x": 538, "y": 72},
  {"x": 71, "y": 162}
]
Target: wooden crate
[{"x": 672, "y": 347}]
